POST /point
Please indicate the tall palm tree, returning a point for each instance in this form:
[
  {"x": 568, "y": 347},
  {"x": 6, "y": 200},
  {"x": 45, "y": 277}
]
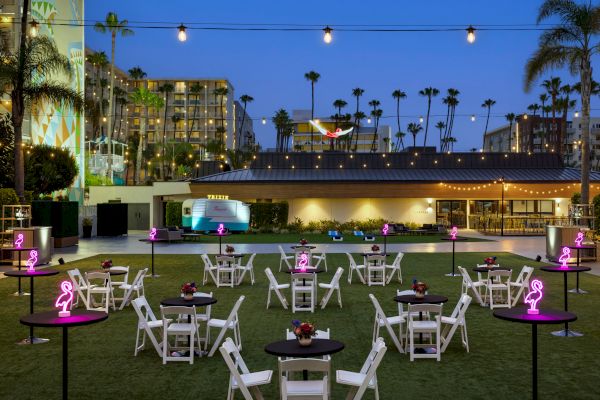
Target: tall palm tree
[
  {"x": 488, "y": 104},
  {"x": 221, "y": 92},
  {"x": 451, "y": 101},
  {"x": 440, "y": 125},
  {"x": 358, "y": 117},
  {"x": 533, "y": 108},
  {"x": 428, "y": 92},
  {"x": 28, "y": 75},
  {"x": 144, "y": 98},
  {"x": 375, "y": 104},
  {"x": 543, "y": 99},
  {"x": 510, "y": 117},
  {"x": 338, "y": 104},
  {"x": 245, "y": 99},
  {"x": 566, "y": 104},
  {"x": 414, "y": 129},
  {"x": 165, "y": 89},
  {"x": 137, "y": 73},
  {"x": 115, "y": 27},
  {"x": 552, "y": 87},
  {"x": 399, "y": 141},
  {"x": 283, "y": 126},
  {"x": 312, "y": 77},
  {"x": 195, "y": 90},
  {"x": 570, "y": 44},
  {"x": 398, "y": 95},
  {"x": 356, "y": 92}
]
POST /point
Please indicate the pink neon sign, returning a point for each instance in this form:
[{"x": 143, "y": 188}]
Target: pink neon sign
[
  {"x": 534, "y": 296},
  {"x": 579, "y": 238},
  {"x": 564, "y": 257},
  {"x": 33, "y": 259},
  {"x": 19, "y": 241},
  {"x": 453, "y": 233},
  {"x": 385, "y": 229},
  {"x": 65, "y": 299},
  {"x": 221, "y": 229},
  {"x": 152, "y": 234},
  {"x": 303, "y": 263}
]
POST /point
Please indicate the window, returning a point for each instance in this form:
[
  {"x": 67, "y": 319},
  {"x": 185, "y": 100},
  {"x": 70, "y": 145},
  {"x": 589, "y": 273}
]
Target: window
[
  {"x": 180, "y": 87},
  {"x": 152, "y": 86}
]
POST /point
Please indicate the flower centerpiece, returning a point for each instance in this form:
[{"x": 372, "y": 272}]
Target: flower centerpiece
[
  {"x": 304, "y": 332},
  {"x": 420, "y": 288},
  {"x": 303, "y": 242},
  {"x": 229, "y": 249},
  {"x": 188, "y": 289},
  {"x": 375, "y": 248},
  {"x": 490, "y": 261},
  {"x": 106, "y": 264}
]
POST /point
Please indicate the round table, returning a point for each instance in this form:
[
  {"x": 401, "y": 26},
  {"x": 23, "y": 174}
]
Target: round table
[
  {"x": 545, "y": 317},
  {"x": 152, "y": 243},
  {"x": 35, "y": 274},
  {"x": 181, "y": 302},
  {"x": 566, "y": 332},
  {"x": 291, "y": 348},
  {"x": 427, "y": 299},
  {"x": 111, "y": 272},
  {"x": 308, "y": 270},
  {"x": 462, "y": 239},
  {"x": 299, "y": 246},
  {"x": 19, "y": 250},
  {"x": 220, "y": 235},
  {"x": 486, "y": 269},
  {"x": 584, "y": 247},
  {"x": 50, "y": 319}
]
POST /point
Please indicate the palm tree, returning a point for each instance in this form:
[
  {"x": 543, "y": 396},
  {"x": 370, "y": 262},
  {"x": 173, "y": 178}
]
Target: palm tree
[
  {"x": 28, "y": 76},
  {"x": 398, "y": 95},
  {"x": 489, "y": 103},
  {"x": 137, "y": 73},
  {"x": 144, "y": 98},
  {"x": 552, "y": 86},
  {"x": 356, "y": 92},
  {"x": 245, "y": 99},
  {"x": 221, "y": 92},
  {"x": 114, "y": 27},
  {"x": 121, "y": 101},
  {"x": 440, "y": 125},
  {"x": 414, "y": 129},
  {"x": 339, "y": 104},
  {"x": 358, "y": 116},
  {"x": 451, "y": 102},
  {"x": 543, "y": 99},
  {"x": 312, "y": 77},
  {"x": 284, "y": 127},
  {"x": 570, "y": 43},
  {"x": 195, "y": 89},
  {"x": 510, "y": 117},
  {"x": 428, "y": 92},
  {"x": 375, "y": 104},
  {"x": 566, "y": 104},
  {"x": 399, "y": 141}
]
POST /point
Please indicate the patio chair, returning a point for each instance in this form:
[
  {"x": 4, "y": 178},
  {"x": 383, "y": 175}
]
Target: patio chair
[
  {"x": 249, "y": 267},
  {"x": 395, "y": 268},
  {"x": 304, "y": 389},
  {"x": 209, "y": 270},
  {"x": 232, "y": 322},
  {"x": 226, "y": 268},
  {"x": 240, "y": 377},
  {"x": 498, "y": 282},
  {"x": 284, "y": 258},
  {"x": 80, "y": 285},
  {"x": 475, "y": 287},
  {"x": 455, "y": 320},
  {"x": 137, "y": 286},
  {"x": 366, "y": 378},
  {"x": 204, "y": 318},
  {"x": 274, "y": 286},
  {"x": 147, "y": 323},
  {"x": 320, "y": 258},
  {"x": 382, "y": 320},
  {"x": 352, "y": 266},
  {"x": 431, "y": 326},
  {"x": 100, "y": 283},
  {"x": 304, "y": 292},
  {"x": 375, "y": 265},
  {"x": 179, "y": 329},
  {"x": 520, "y": 284},
  {"x": 331, "y": 287}
]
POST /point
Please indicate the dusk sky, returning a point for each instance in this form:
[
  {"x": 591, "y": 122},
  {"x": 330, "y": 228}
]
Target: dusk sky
[{"x": 270, "y": 66}]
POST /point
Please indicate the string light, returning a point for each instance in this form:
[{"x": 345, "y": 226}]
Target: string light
[
  {"x": 327, "y": 34},
  {"x": 473, "y": 118},
  {"x": 33, "y": 28},
  {"x": 264, "y": 121},
  {"x": 471, "y": 34},
  {"x": 420, "y": 119},
  {"x": 182, "y": 35}
]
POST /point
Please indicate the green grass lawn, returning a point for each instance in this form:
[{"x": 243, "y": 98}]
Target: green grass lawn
[
  {"x": 320, "y": 238},
  {"x": 102, "y": 365}
]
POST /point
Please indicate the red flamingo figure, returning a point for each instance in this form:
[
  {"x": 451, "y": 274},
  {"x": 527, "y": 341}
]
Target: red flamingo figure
[
  {"x": 33, "y": 259},
  {"x": 19, "y": 241},
  {"x": 564, "y": 257},
  {"x": 65, "y": 299},
  {"x": 534, "y": 296}
]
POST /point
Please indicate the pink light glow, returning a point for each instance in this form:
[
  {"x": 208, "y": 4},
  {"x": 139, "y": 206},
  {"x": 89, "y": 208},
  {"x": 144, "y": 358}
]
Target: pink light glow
[
  {"x": 33, "y": 259},
  {"x": 385, "y": 229},
  {"x": 19, "y": 241},
  {"x": 534, "y": 296},
  {"x": 564, "y": 257},
  {"x": 579, "y": 238},
  {"x": 65, "y": 299},
  {"x": 152, "y": 234},
  {"x": 221, "y": 229},
  {"x": 454, "y": 232},
  {"x": 303, "y": 261}
]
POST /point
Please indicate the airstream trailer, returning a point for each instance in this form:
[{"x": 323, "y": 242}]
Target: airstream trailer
[{"x": 207, "y": 214}]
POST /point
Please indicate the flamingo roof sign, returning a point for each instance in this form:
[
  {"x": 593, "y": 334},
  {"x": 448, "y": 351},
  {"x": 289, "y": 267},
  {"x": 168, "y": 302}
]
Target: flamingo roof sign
[{"x": 333, "y": 135}]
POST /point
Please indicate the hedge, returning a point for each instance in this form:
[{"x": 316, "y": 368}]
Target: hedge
[
  {"x": 269, "y": 214},
  {"x": 173, "y": 213},
  {"x": 8, "y": 197}
]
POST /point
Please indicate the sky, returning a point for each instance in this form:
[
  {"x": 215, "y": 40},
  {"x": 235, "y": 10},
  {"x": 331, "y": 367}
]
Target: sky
[{"x": 270, "y": 66}]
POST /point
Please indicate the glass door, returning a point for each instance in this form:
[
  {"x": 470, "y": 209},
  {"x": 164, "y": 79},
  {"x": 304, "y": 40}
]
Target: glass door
[{"x": 452, "y": 213}]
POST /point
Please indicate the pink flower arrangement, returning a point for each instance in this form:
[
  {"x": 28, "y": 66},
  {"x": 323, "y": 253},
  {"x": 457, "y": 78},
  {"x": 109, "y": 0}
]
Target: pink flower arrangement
[
  {"x": 303, "y": 329},
  {"x": 374, "y": 248},
  {"x": 303, "y": 242},
  {"x": 419, "y": 287},
  {"x": 229, "y": 249},
  {"x": 188, "y": 288},
  {"x": 106, "y": 264}
]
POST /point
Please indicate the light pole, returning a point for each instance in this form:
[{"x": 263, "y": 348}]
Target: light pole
[{"x": 502, "y": 208}]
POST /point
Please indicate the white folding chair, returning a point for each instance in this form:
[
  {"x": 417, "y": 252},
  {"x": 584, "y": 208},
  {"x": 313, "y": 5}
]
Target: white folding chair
[
  {"x": 249, "y": 267},
  {"x": 375, "y": 270},
  {"x": 124, "y": 279},
  {"x": 100, "y": 283},
  {"x": 232, "y": 322},
  {"x": 520, "y": 284},
  {"x": 367, "y": 377},
  {"x": 498, "y": 282},
  {"x": 304, "y": 291},
  {"x": 147, "y": 322},
  {"x": 80, "y": 286},
  {"x": 395, "y": 268},
  {"x": 204, "y": 317},
  {"x": 304, "y": 389},
  {"x": 475, "y": 287},
  {"x": 320, "y": 258},
  {"x": 137, "y": 286},
  {"x": 331, "y": 287},
  {"x": 240, "y": 377},
  {"x": 455, "y": 320},
  {"x": 226, "y": 267},
  {"x": 352, "y": 266},
  {"x": 284, "y": 258},
  {"x": 431, "y": 326},
  {"x": 276, "y": 287},
  {"x": 179, "y": 329},
  {"x": 382, "y": 320},
  {"x": 209, "y": 270}
]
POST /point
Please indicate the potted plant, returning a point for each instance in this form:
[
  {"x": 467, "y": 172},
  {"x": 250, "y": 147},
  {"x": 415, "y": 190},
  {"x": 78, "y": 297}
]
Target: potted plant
[
  {"x": 304, "y": 332},
  {"x": 420, "y": 288},
  {"x": 188, "y": 289},
  {"x": 87, "y": 227}
]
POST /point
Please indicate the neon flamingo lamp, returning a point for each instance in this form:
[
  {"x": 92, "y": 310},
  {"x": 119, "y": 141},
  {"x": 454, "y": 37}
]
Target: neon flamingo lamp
[
  {"x": 534, "y": 296},
  {"x": 19, "y": 241},
  {"x": 385, "y": 229},
  {"x": 579, "y": 238},
  {"x": 453, "y": 233},
  {"x": 221, "y": 229},
  {"x": 152, "y": 234},
  {"x": 65, "y": 299},
  {"x": 33, "y": 259},
  {"x": 564, "y": 257},
  {"x": 303, "y": 261}
]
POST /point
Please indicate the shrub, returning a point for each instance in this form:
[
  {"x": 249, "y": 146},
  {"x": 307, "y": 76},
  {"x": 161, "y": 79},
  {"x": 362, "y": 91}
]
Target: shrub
[
  {"x": 576, "y": 198},
  {"x": 49, "y": 168},
  {"x": 596, "y": 203},
  {"x": 268, "y": 215},
  {"x": 8, "y": 197},
  {"x": 297, "y": 226},
  {"x": 173, "y": 217},
  {"x": 28, "y": 194}
]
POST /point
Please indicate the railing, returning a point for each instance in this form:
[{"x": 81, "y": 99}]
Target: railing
[{"x": 520, "y": 225}]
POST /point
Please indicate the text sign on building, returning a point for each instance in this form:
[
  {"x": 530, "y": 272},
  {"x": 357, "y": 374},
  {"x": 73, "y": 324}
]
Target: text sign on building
[
  {"x": 217, "y": 196},
  {"x": 221, "y": 209}
]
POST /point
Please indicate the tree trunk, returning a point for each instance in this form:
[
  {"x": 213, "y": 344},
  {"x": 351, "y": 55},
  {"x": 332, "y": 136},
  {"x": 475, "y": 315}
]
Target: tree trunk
[
  {"x": 312, "y": 112},
  {"x": 427, "y": 122},
  {"x": 138, "y": 162},
  {"x": 110, "y": 108},
  {"x": 510, "y": 137},
  {"x": 18, "y": 109},
  {"x": 586, "y": 83},
  {"x": 239, "y": 140}
]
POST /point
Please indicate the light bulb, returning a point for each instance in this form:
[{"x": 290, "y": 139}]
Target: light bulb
[
  {"x": 368, "y": 120},
  {"x": 33, "y": 28},
  {"x": 327, "y": 36},
  {"x": 421, "y": 119},
  {"x": 470, "y": 34},
  {"x": 182, "y": 35},
  {"x": 576, "y": 114},
  {"x": 264, "y": 121},
  {"x": 473, "y": 118}
]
